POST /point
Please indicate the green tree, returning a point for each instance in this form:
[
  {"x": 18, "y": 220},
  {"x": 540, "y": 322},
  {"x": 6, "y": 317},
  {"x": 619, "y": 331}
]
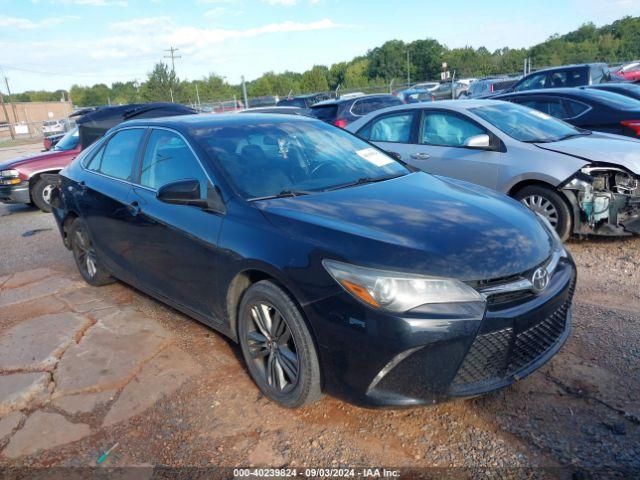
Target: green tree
[
  {"x": 161, "y": 84},
  {"x": 315, "y": 80}
]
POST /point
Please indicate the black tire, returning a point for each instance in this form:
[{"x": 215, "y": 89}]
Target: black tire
[
  {"x": 280, "y": 354},
  {"x": 543, "y": 199},
  {"x": 41, "y": 194},
  {"x": 85, "y": 255}
]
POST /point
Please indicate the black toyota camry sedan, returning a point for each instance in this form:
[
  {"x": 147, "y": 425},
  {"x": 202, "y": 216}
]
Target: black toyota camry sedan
[{"x": 335, "y": 267}]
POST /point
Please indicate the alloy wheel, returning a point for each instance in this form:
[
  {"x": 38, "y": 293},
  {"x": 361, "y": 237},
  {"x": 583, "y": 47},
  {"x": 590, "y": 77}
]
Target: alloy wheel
[
  {"x": 272, "y": 347},
  {"x": 543, "y": 206},
  {"x": 85, "y": 253}
]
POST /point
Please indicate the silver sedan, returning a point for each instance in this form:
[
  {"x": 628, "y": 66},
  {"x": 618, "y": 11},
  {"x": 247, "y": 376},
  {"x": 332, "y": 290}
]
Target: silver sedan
[{"x": 583, "y": 182}]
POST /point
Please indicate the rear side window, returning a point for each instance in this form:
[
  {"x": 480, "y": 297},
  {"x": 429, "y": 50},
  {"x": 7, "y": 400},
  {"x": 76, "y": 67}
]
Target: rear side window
[
  {"x": 368, "y": 105},
  {"x": 389, "y": 128},
  {"x": 117, "y": 157},
  {"x": 576, "y": 108},
  {"x": 169, "y": 159},
  {"x": 325, "y": 112},
  {"x": 569, "y": 78},
  {"x": 551, "y": 106}
]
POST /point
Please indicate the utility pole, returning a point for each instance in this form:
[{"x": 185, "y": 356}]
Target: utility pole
[
  {"x": 198, "y": 96},
  {"x": 244, "y": 93},
  {"x": 172, "y": 55},
  {"x": 13, "y": 105},
  {"x": 408, "y": 72},
  {"x": 6, "y": 115}
]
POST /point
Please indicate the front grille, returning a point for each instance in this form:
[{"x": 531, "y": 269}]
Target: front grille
[{"x": 497, "y": 355}]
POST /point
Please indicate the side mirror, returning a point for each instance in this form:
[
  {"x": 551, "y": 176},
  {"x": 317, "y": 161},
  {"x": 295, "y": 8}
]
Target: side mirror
[
  {"x": 187, "y": 192},
  {"x": 478, "y": 141}
]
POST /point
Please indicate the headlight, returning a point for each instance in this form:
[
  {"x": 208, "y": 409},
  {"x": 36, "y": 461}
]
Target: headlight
[
  {"x": 9, "y": 177},
  {"x": 398, "y": 292}
]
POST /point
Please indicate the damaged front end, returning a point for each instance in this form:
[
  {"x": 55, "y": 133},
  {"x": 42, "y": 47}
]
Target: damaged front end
[{"x": 605, "y": 200}]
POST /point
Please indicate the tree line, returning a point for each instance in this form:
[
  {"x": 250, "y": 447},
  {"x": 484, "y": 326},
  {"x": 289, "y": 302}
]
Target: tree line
[{"x": 616, "y": 42}]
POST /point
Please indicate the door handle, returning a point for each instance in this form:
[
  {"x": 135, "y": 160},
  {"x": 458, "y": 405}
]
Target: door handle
[
  {"x": 134, "y": 208},
  {"x": 420, "y": 156}
]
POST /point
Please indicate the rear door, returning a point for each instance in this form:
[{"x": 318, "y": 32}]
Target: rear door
[
  {"x": 440, "y": 148},
  {"x": 393, "y": 132},
  {"x": 175, "y": 246},
  {"x": 104, "y": 204}
]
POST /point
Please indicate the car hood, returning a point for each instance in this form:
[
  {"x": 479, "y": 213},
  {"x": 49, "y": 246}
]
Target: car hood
[
  {"x": 417, "y": 223},
  {"x": 16, "y": 162},
  {"x": 601, "y": 147}
]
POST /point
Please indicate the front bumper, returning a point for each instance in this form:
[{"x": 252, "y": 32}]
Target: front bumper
[
  {"x": 375, "y": 359},
  {"x": 15, "y": 193}
]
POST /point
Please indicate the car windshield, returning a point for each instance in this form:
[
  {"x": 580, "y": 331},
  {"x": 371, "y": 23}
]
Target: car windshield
[
  {"x": 526, "y": 124},
  {"x": 286, "y": 158},
  {"x": 68, "y": 142}
]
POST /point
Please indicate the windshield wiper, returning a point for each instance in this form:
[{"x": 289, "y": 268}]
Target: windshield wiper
[
  {"x": 365, "y": 180},
  {"x": 576, "y": 134},
  {"x": 283, "y": 194}
]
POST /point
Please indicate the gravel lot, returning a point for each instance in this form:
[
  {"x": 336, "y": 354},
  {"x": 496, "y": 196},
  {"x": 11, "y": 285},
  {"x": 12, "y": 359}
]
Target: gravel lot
[{"x": 580, "y": 412}]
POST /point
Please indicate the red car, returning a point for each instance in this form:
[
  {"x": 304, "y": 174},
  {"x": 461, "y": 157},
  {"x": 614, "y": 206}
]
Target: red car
[
  {"x": 629, "y": 72},
  {"x": 20, "y": 178}
]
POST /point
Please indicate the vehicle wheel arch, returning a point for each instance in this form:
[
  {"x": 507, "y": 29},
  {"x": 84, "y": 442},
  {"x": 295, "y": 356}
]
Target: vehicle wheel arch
[
  {"x": 66, "y": 225},
  {"x": 248, "y": 277},
  {"x": 241, "y": 283},
  {"x": 33, "y": 179},
  {"x": 565, "y": 196}
]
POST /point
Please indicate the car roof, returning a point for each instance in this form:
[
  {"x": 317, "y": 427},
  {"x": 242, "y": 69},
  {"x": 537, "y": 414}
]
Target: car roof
[
  {"x": 187, "y": 122},
  {"x": 457, "y": 105},
  {"x": 566, "y": 67},
  {"x": 566, "y": 91},
  {"x": 337, "y": 101}
]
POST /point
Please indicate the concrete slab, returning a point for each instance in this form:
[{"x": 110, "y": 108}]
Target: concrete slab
[
  {"x": 31, "y": 291},
  {"x": 20, "y": 390},
  {"x": 85, "y": 299},
  {"x": 43, "y": 431},
  {"x": 110, "y": 353},
  {"x": 161, "y": 376},
  {"x": 37, "y": 343},
  {"x": 27, "y": 276},
  {"x": 9, "y": 423},
  {"x": 83, "y": 402}
]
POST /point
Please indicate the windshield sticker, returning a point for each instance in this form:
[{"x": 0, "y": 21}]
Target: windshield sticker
[{"x": 372, "y": 155}]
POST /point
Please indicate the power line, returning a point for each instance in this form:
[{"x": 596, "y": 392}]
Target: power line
[{"x": 172, "y": 55}]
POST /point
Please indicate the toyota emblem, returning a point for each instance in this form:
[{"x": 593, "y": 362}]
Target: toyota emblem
[{"x": 540, "y": 279}]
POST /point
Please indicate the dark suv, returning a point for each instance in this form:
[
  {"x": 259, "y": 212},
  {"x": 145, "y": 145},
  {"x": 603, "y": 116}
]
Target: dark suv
[
  {"x": 564, "y": 76},
  {"x": 303, "y": 101},
  {"x": 341, "y": 112}
]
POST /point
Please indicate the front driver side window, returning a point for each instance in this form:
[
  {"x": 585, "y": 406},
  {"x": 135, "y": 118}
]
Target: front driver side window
[
  {"x": 447, "y": 130},
  {"x": 169, "y": 159},
  {"x": 389, "y": 128},
  {"x": 532, "y": 83}
]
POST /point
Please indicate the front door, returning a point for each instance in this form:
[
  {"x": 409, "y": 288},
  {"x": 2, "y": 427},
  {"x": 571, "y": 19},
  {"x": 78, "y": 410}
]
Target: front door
[
  {"x": 441, "y": 149},
  {"x": 175, "y": 246}
]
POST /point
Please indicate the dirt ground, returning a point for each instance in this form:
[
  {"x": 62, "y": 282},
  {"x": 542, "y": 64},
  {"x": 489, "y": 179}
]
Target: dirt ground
[{"x": 579, "y": 413}]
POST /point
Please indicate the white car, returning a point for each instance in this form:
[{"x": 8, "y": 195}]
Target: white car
[{"x": 582, "y": 182}]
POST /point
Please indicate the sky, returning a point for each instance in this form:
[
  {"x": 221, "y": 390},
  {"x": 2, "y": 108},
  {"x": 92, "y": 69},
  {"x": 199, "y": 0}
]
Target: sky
[{"x": 52, "y": 44}]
